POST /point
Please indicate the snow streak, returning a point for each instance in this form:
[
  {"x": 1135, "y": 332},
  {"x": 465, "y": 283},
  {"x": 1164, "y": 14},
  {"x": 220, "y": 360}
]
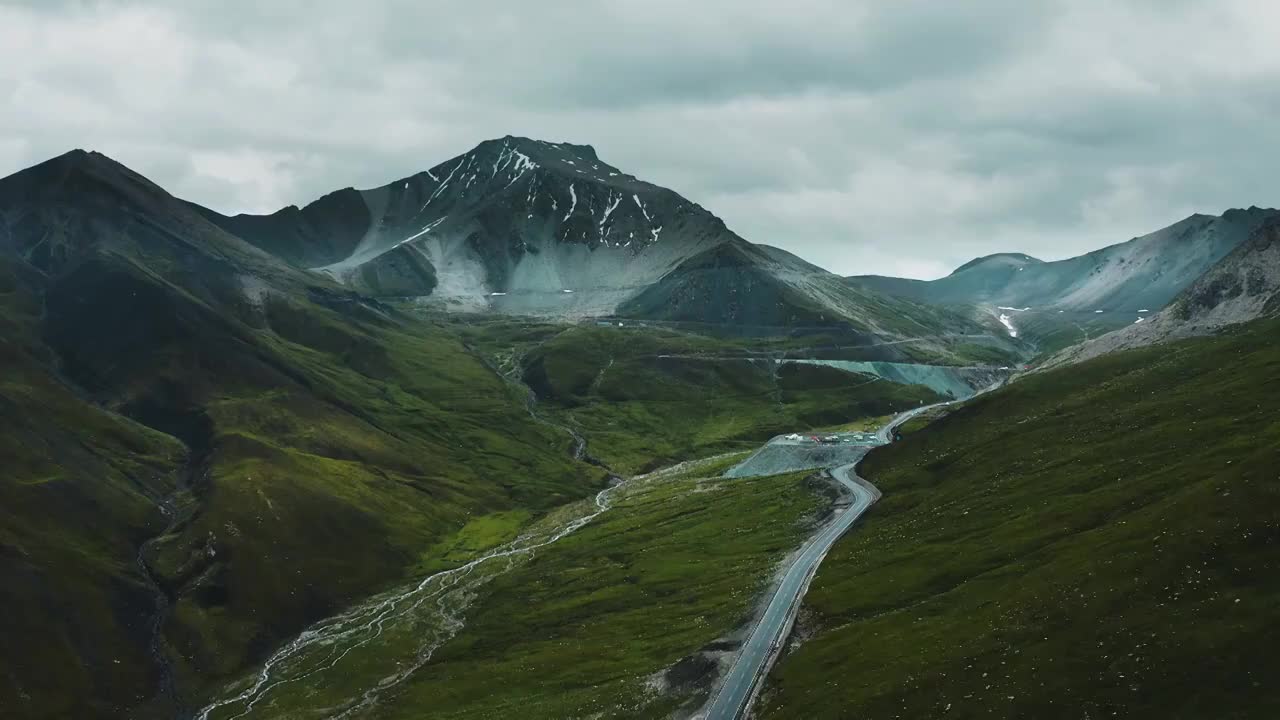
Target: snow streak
[
  {"x": 423, "y": 231},
  {"x": 442, "y": 185},
  {"x": 574, "y": 195},
  {"x": 609, "y": 210},
  {"x": 642, "y": 208}
]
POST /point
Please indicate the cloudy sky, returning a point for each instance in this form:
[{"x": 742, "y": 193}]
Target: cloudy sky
[{"x": 894, "y": 136}]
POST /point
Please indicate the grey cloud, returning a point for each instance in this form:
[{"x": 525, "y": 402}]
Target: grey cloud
[{"x": 898, "y": 137}]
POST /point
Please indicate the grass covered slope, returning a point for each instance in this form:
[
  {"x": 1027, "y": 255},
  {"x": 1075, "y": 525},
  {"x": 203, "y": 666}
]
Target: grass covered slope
[
  {"x": 1049, "y": 331},
  {"x": 317, "y": 448},
  {"x": 624, "y": 618},
  {"x": 323, "y": 490},
  {"x": 1095, "y": 542},
  {"x": 644, "y": 398},
  {"x": 78, "y": 495}
]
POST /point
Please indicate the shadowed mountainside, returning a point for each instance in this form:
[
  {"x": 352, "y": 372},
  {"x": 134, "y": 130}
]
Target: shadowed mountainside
[{"x": 202, "y": 428}]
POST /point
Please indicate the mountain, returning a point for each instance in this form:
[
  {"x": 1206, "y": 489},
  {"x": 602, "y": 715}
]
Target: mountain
[
  {"x": 529, "y": 227},
  {"x": 728, "y": 283},
  {"x": 83, "y": 206},
  {"x": 1243, "y": 286},
  {"x": 991, "y": 262},
  {"x": 209, "y": 445},
  {"x": 750, "y": 286},
  {"x": 205, "y": 448},
  {"x": 1144, "y": 273},
  {"x": 519, "y": 225}
]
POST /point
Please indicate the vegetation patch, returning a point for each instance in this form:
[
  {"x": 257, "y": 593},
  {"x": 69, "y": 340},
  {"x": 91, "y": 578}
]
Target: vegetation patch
[
  {"x": 643, "y": 400},
  {"x": 1096, "y": 541},
  {"x": 626, "y": 617},
  {"x": 478, "y": 535}
]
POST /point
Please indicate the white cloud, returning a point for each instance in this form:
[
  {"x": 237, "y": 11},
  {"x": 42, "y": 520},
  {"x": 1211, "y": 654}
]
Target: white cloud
[{"x": 257, "y": 182}]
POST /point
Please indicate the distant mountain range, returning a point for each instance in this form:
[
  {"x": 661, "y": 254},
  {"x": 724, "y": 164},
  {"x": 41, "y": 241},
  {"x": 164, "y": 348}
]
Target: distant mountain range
[
  {"x": 529, "y": 227},
  {"x": 1144, "y": 273}
]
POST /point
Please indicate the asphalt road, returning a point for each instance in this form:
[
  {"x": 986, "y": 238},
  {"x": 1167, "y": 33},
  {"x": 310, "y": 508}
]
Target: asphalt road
[{"x": 736, "y": 693}]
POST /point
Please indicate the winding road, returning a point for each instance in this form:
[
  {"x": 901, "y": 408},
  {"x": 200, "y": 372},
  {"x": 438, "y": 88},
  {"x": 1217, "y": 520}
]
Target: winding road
[{"x": 738, "y": 691}]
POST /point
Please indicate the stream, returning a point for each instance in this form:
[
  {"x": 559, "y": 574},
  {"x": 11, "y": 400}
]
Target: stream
[{"x": 409, "y": 624}]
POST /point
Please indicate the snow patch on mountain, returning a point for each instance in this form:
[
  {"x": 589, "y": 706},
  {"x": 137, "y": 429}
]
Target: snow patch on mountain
[
  {"x": 1004, "y": 320},
  {"x": 573, "y": 194}
]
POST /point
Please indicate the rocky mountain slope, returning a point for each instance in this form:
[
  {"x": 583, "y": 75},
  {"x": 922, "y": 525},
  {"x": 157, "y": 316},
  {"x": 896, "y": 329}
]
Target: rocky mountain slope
[
  {"x": 741, "y": 284},
  {"x": 530, "y": 227},
  {"x": 1144, "y": 273},
  {"x": 514, "y": 224},
  {"x": 1243, "y": 286}
]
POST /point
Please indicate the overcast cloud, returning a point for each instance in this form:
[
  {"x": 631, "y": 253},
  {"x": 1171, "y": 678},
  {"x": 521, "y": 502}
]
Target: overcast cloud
[{"x": 898, "y": 136}]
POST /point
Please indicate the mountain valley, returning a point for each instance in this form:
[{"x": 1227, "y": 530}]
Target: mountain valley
[{"x": 363, "y": 457}]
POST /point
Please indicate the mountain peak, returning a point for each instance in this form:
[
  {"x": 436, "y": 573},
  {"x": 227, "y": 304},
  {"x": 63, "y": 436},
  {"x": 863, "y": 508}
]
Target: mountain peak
[
  {"x": 999, "y": 259},
  {"x": 534, "y": 145},
  {"x": 82, "y": 202},
  {"x": 1252, "y": 211},
  {"x": 513, "y": 155},
  {"x": 77, "y": 175},
  {"x": 78, "y": 157}
]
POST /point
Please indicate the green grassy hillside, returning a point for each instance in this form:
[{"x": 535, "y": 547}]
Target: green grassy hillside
[
  {"x": 313, "y": 446},
  {"x": 624, "y": 618},
  {"x": 1098, "y": 541},
  {"x": 343, "y": 478},
  {"x": 644, "y": 399},
  {"x": 1049, "y": 331},
  {"x": 79, "y": 493}
]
